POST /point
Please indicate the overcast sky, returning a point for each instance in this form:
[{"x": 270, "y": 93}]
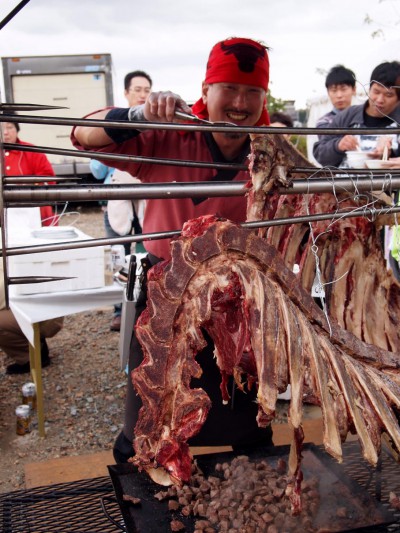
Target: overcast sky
[{"x": 172, "y": 39}]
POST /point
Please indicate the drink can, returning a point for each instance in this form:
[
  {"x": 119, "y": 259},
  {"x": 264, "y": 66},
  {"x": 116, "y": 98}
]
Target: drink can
[
  {"x": 29, "y": 395},
  {"x": 23, "y": 413}
]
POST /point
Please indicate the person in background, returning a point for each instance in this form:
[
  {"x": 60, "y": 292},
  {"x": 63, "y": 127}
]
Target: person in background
[
  {"x": 381, "y": 110},
  {"x": 234, "y": 90},
  {"x": 137, "y": 88},
  {"x": 12, "y": 341},
  {"x": 340, "y": 84},
  {"x": 19, "y": 163},
  {"x": 281, "y": 120}
]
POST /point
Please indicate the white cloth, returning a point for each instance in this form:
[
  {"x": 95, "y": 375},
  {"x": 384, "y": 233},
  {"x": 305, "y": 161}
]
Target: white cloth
[
  {"x": 31, "y": 308},
  {"x": 120, "y": 212}
]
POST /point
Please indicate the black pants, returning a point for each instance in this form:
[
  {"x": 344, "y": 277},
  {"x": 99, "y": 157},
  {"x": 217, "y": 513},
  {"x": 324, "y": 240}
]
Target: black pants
[{"x": 233, "y": 424}]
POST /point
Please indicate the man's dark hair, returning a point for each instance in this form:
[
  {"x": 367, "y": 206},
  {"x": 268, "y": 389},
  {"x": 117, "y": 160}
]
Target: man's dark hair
[
  {"x": 387, "y": 74},
  {"x": 134, "y": 74},
  {"x": 278, "y": 116},
  {"x": 340, "y": 75}
]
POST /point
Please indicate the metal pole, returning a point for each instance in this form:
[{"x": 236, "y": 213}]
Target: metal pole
[
  {"x": 14, "y": 195},
  {"x": 12, "y": 13},
  {"x": 90, "y": 243},
  {"x": 59, "y": 121},
  {"x": 117, "y": 157},
  {"x": 3, "y": 224}
]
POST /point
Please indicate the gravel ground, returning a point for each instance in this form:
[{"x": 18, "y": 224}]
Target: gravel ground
[{"x": 84, "y": 389}]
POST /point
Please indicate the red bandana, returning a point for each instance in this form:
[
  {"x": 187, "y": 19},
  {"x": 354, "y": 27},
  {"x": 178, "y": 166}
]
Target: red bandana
[{"x": 237, "y": 60}]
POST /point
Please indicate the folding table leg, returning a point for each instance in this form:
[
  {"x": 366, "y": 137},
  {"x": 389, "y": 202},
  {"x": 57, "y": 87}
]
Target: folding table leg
[{"x": 35, "y": 359}]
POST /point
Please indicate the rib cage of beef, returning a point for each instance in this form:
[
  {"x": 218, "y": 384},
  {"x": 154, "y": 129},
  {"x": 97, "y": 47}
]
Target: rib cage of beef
[
  {"x": 361, "y": 294},
  {"x": 267, "y": 330}
]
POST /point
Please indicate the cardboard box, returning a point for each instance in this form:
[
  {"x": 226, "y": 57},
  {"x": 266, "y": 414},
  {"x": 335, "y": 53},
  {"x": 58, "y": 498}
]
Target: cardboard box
[{"x": 84, "y": 265}]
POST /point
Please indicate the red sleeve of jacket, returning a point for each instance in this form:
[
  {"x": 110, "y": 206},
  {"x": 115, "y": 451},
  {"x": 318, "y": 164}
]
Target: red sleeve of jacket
[{"x": 41, "y": 166}]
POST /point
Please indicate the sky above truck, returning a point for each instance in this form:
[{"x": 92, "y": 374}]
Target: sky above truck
[{"x": 171, "y": 40}]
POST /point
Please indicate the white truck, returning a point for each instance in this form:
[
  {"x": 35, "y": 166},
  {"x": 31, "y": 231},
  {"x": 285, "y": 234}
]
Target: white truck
[{"x": 80, "y": 83}]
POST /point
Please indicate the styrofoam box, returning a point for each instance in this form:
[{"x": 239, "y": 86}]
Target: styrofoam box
[{"x": 84, "y": 265}]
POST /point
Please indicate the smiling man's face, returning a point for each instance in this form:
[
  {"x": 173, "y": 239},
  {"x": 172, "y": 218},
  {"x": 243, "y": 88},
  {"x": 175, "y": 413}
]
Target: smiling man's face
[{"x": 234, "y": 102}]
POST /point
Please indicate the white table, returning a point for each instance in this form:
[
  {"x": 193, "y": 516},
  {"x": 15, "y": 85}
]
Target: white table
[{"x": 30, "y": 309}]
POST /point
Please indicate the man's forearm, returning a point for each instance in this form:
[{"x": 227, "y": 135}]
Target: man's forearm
[
  {"x": 91, "y": 137},
  {"x": 130, "y": 114}
]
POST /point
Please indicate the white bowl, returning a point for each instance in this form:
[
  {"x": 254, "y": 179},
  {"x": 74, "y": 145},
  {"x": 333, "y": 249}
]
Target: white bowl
[
  {"x": 377, "y": 163},
  {"x": 356, "y": 159}
]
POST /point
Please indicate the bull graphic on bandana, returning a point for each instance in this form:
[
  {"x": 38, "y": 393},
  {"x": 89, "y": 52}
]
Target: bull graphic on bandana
[{"x": 246, "y": 55}]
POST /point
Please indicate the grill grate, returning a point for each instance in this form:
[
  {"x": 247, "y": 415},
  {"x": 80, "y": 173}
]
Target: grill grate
[
  {"x": 89, "y": 506},
  {"x": 379, "y": 481},
  {"x": 66, "y": 507}
]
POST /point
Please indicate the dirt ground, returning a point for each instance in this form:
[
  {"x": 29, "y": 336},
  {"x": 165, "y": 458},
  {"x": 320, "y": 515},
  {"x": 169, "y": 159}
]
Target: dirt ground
[{"x": 84, "y": 389}]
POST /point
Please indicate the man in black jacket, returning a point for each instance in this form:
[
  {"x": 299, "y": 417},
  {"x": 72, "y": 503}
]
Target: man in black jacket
[{"x": 381, "y": 110}]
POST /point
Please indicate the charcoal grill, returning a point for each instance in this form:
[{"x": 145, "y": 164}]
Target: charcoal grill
[{"x": 336, "y": 489}]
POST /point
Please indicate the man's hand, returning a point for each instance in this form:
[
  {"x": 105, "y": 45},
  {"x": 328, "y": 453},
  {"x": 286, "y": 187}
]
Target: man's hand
[
  {"x": 393, "y": 162},
  {"x": 383, "y": 146},
  {"x": 161, "y": 106},
  {"x": 348, "y": 143}
]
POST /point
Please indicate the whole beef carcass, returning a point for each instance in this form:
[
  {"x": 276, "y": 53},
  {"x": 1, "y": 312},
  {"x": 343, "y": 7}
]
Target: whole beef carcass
[{"x": 267, "y": 329}]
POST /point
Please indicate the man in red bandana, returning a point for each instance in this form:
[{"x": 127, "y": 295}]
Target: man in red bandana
[{"x": 234, "y": 90}]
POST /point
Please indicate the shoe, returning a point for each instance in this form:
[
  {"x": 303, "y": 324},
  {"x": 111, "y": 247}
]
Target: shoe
[
  {"x": 123, "y": 449},
  {"x": 116, "y": 323},
  {"x": 15, "y": 368},
  {"x": 25, "y": 368}
]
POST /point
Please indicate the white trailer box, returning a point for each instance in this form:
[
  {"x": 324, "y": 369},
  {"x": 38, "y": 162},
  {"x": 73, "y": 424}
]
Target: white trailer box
[
  {"x": 84, "y": 265},
  {"x": 79, "y": 83}
]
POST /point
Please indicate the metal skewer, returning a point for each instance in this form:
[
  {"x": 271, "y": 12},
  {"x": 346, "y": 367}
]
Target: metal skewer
[
  {"x": 177, "y": 162},
  {"x": 90, "y": 243},
  {"x": 12, "y": 13},
  {"x": 27, "y": 180},
  {"x": 116, "y": 157},
  {"x": 28, "y": 107},
  {"x": 35, "y": 279},
  {"x": 90, "y": 122}
]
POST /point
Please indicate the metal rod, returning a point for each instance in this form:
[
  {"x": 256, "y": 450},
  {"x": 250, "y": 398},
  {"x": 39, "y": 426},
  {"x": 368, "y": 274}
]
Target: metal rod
[
  {"x": 117, "y": 157},
  {"x": 22, "y": 180},
  {"x": 330, "y": 171},
  {"x": 12, "y": 13},
  {"x": 90, "y": 243},
  {"x": 3, "y": 225},
  {"x": 28, "y": 107},
  {"x": 63, "y": 193},
  {"x": 170, "y": 162},
  {"x": 60, "y": 121},
  {"x": 21, "y": 280}
]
